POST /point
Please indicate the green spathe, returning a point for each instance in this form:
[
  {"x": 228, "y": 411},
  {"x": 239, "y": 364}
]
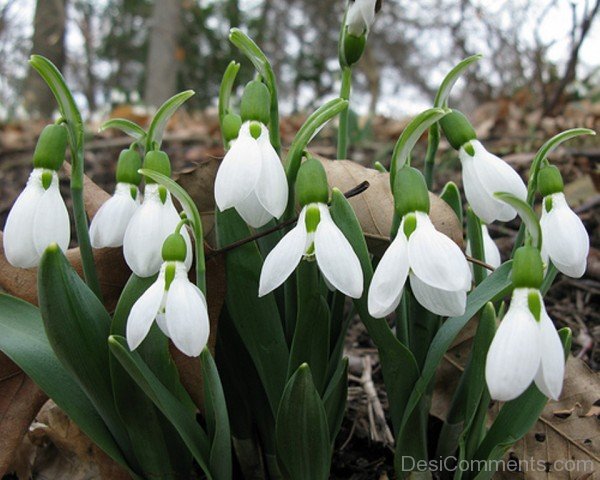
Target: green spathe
[
  {"x": 550, "y": 181},
  {"x": 311, "y": 183},
  {"x": 256, "y": 103},
  {"x": 158, "y": 161},
  {"x": 51, "y": 146},
  {"x": 410, "y": 191},
  {"x": 528, "y": 268},
  {"x": 458, "y": 129},
  {"x": 128, "y": 165}
]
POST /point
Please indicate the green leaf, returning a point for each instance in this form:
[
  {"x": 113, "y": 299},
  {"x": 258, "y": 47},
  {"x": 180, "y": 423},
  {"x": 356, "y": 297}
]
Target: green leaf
[
  {"x": 156, "y": 444},
  {"x": 178, "y": 414},
  {"x": 475, "y": 238},
  {"x": 256, "y": 319},
  {"x": 334, "y": 399},
  {"x": 399, "y": 366},
  {"x": 494, "y": 287},
  {"x": 303, "y": 447},
  {"x": 410, "y": 135},
  {"x": 310, "y": 342},
  {"x": 77, "y": 326},
  {"x": 191, "y": 210},
  {"x": 527, "y": 215},
  {"x": 217, "y": 420},
  {"x": 451, "y": 195},
  {"x": 24, "y": 341},
  {"x": 441, "y": 98},
  {"x": 162, "y": 116},
  {"x": 226, "y": 87},
  {"x": 313, "y": 124},
  {"x": 126, "y": 126}
]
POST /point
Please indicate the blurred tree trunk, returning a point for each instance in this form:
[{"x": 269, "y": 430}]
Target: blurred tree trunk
[
  {"x": 48, "y": 40},
  {"x": 162, "y": 64}
]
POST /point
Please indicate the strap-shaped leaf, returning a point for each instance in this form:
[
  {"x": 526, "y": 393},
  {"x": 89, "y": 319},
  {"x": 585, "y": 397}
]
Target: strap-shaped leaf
[
  {"x": 217, "y": 420},
  {"x": 162, "y": 116},
  {"x": 441, "y": 98},
  {"x": 475, "y": 238},
  {"x": 334, "y": 399},
  {"x": 303, "y": 447},
  {"x": 24, "y": 341},
  {"x": 126, "y": 126},
  {"x": 527, "y": 215},
  {"x": 178, "y": 414}
]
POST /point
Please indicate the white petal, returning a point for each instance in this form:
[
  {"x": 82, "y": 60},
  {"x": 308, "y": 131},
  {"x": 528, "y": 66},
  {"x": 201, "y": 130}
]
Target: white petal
[
  {"x": 272, "y": 186},
  {"x": 144, "y": 312},
  {"x": 284, "y": 258},
  {"x": 19, "y": 248},
  {"x": 490, "y": 249},
  {"x": 51, "y": 221},
  {"x": 108, "y": 226},
  {"x": 565, "y": 238},
  {"x": 436, "y": 259},
  {"x": 441, "y": 302},
  {"x": 336, "y": 258},
  {"x": 549, "y": 378},
  {"x": 253, "y": 213},
  {"x": 385, "y": 291},
  {"x": 239, "y": 171},
  {"x": 187, "y": 318},
  {"x": 514, "y": 356},
  {"x": 485, "y": 174}
]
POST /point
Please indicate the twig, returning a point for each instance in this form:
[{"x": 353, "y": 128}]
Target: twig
[
  {"x": 479, "y": 262},
  {"x": 380, "y": 431}
]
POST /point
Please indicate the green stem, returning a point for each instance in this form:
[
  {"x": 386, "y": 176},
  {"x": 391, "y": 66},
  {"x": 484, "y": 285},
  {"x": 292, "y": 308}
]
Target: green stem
[
  {"x": 433, "y": 142},
  {"x": 343, "y": 140},
  {"x": 475, "y": 238}
]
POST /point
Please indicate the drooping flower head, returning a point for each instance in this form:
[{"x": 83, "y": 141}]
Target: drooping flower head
[
  {"x": 483, "y": 173},
  {"x": 315, "y": 237},
  {"x": 152, "y": 223},
  {"x": 361, "y": 15},
  {"x": 177, "y": 305},
  {"x": 565, "y": 240},
  {"x": 438, "y": 271},
  {"x": 526, "y": 347},
  {"x": 251, "y": 178},
  {"x": 110, "y": 222},
  {"x": 39, "y": 216}
]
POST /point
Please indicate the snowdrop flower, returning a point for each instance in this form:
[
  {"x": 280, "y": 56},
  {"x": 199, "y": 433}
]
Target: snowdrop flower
[
  {"x": 39, "y": 216},
  {"x": 108, "y": 226},
  {"x": 490, "y": 250},
  {"x": 315, "y": 238},
  {"x": 564, "y": 238},
  {"x": 360, "y": 16},
  {"x": 483, "y": 173},
  {"x": 177, "y": 305},
  {"x": 251, "y": 178},
  {"x": 151, "y": 224},
  {"x": 438, "y": 271}
]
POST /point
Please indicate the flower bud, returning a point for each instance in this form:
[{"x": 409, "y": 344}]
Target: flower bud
[
  {"x": 158, "y": 161},
  {"x": 550, "y": 180},
  {"x": 528, "y": 268},
  {"x": 458, "y": 129},
  {"x": 50, "y": 149},
  {"x": 128, "y": 165},
  {"x": 353, "y": 48},
  {"x": 256, "y": 102},
  {"x": 231, "y": 126},
  {"x": 174, "y": 248},
  {"x": 410, "y": 191},
  {"x": 311, "y": 183}
]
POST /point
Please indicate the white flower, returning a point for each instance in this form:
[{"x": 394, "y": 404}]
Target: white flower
[
  {"x": 179, "y": 308},
  {"x": 438, "y": 271},
  {"x": 251, "y": 178},
  {"x": 150, "y": 225},
  {"x": 525, "y": 350},
  {"x": 334, "y": 255},
  {"x": 490, "y": 250},
  {"x": 38, "y": 218},
  {"x": 361, "y": 15},
  {"x": 564, "y": 238},
  {"x": 110, "y": 222},
  {"x": 485, "y": 174}
]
